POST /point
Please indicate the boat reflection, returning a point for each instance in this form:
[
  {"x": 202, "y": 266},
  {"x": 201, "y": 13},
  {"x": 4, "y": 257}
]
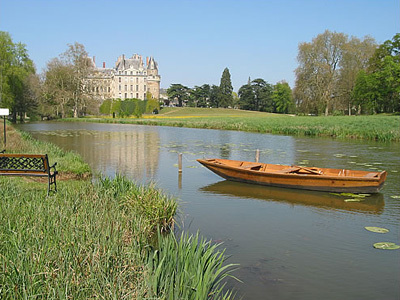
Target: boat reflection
[{"x": 373, "y": 204}]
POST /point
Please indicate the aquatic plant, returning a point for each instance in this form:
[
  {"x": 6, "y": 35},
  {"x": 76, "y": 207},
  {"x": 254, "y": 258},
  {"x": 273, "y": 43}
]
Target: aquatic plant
[{"x": 173, "y": 275}]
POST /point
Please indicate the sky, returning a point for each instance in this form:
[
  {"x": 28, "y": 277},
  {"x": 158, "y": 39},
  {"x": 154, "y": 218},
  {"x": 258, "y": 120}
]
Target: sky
[{"x": 194, "y": 41}]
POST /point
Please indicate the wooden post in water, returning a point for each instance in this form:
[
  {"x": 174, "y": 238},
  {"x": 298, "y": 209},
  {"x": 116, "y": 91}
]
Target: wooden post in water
[
  {"x": 180, "y": 162},
  {"x": 257, "y": 155}
]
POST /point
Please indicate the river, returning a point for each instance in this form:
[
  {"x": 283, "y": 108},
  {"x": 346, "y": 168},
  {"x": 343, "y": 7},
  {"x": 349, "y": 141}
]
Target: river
[{"x": 290, "y": 244}]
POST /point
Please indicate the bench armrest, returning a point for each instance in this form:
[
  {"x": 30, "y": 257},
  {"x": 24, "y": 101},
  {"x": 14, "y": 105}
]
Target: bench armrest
[{"x": 54, "y": 167}]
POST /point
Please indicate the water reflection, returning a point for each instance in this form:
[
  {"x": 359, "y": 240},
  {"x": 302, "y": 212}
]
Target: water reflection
[
  {"x": 373, "y": 204},
  {"x": 131, "y": 153}
]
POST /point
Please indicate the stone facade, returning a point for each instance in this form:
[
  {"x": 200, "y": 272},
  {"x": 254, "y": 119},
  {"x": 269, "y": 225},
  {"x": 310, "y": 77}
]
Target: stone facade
[{"x": 130, "y": 78}]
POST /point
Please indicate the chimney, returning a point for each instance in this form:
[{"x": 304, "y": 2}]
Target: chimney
[
  {"x": 147, "y": 61},
  {"x": 94, "y": 60},
  {"x": 104, "y": 64}
]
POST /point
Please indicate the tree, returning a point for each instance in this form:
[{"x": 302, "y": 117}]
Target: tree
[
  {"x": 178, "y": 92},
  {"x": 282, "y": 97},
  {"x": 200, "y": 95},
  {"x": 327, "y": 71},
  {"x": 378, "y": 88},
  {"x": 226, "y": 89},
  {"x": 256, "y": 95},
  {"x": 77, "y": 58},
  {"x": 15, "y": 70},
  {"x": 58, "y": 90},
  {"x": 356, "y": 55},
  {"x": 152, "y": 104},
  {"x": 318, "y": 69},
  {"x": 215, "y": 96},
  {"x": 66, "y": 81}
]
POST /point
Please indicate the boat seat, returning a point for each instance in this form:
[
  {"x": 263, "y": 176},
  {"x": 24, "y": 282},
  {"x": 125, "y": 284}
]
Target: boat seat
[
  {"x": 252, "y": 167},
  {"x": 371, "y": 175},
  {"x": 289, "y": 170}
]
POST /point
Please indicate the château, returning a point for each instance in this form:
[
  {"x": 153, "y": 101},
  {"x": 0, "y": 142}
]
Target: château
[{"x": 130, "y": 78}]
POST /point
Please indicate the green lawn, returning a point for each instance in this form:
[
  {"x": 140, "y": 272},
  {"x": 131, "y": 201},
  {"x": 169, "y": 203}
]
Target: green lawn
[{"x": 376, "y": 127}]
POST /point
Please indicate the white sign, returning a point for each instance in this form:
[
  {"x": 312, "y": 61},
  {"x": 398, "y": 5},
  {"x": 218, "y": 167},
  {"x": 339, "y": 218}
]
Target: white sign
[{"x": 4, "y": 111}]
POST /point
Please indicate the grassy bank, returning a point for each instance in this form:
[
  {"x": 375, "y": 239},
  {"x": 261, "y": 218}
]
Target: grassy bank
[
  {"x": 376, "y": 127},
  {"x": 96, "y": 240}
]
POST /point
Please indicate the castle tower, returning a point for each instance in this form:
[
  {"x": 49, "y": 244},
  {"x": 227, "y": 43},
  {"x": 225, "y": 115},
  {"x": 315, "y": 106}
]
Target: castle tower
[{"x": 153, "y": 79}]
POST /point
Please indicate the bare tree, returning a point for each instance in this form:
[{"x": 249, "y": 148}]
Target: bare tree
[
  {"x": 58, "y": 89},
  {"x": 318, "y": 69},
  {"x": 77, "y": 58}
]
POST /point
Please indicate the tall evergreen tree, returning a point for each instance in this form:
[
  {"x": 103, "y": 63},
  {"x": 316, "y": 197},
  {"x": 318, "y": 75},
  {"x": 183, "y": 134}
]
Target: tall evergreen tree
[
  {"x": 179, "y": 92},
  {"x": 257, "y": 95},
  {"x": 226, "y": 89}
]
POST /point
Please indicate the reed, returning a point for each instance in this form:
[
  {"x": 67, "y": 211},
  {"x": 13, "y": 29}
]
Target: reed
[{"x": 174, "y": 276}]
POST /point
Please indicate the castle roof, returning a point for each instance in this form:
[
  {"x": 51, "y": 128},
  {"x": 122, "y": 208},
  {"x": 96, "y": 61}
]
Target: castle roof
[
  {"x": 152, "y": 65},
  {"x": 135, "y": 62}
]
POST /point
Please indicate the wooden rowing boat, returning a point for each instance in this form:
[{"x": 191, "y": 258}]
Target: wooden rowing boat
[{"x": 317, "y": 179}]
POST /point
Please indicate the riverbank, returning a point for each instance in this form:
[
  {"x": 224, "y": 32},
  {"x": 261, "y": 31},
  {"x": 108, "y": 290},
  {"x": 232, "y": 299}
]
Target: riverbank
[
  {"x": 383, "y": 128},
  {"x": 108, "y": 238}
]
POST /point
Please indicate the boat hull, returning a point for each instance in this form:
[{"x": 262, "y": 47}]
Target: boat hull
[{"x": 232, "y": 170}]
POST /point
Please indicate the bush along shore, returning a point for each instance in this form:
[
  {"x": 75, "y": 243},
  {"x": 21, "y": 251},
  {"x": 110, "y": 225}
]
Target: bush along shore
[
  {"x": 383, "y": 128},
  {"x": 98, "y": 239}
]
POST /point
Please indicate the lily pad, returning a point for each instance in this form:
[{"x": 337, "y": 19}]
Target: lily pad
[
  {"x": 354, "y": 200},
  {"x": 386, "y": 246},
  {"x": 352, "y": 195},
  {"x": 377, "y": 229},
  {"x": 395, "y": 197}
]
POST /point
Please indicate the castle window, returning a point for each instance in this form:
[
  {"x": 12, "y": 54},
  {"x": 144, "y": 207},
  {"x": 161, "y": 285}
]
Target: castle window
[
  {"x": 137, "y": 80},
  {"x": 144, "y": 88},
  {"x": 126, "y": 88},
  {"x": 126, "y": 95},
  {"x": 119, "y": 79},
  {"x": 119, "y": 87},
  {"x": 131, "y": 72},
  {"x": 131, "y": 87},
  {"x": 137, "y": 95},
  {"x": 137, "y": 87}
]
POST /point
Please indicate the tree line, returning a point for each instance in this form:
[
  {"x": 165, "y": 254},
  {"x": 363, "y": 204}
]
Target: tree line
[
  {"x": 257, "y": 95},
  {"x": 336, "y": 74},
  {"x": 62, "y": 90}
]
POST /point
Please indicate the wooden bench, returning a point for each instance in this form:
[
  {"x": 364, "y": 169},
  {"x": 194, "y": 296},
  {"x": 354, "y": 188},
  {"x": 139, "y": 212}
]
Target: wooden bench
[{"x": 36, "y": 165}]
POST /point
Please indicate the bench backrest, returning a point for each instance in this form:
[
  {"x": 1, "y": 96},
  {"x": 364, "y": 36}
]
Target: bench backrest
[{"x": 24, "y": 163}]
